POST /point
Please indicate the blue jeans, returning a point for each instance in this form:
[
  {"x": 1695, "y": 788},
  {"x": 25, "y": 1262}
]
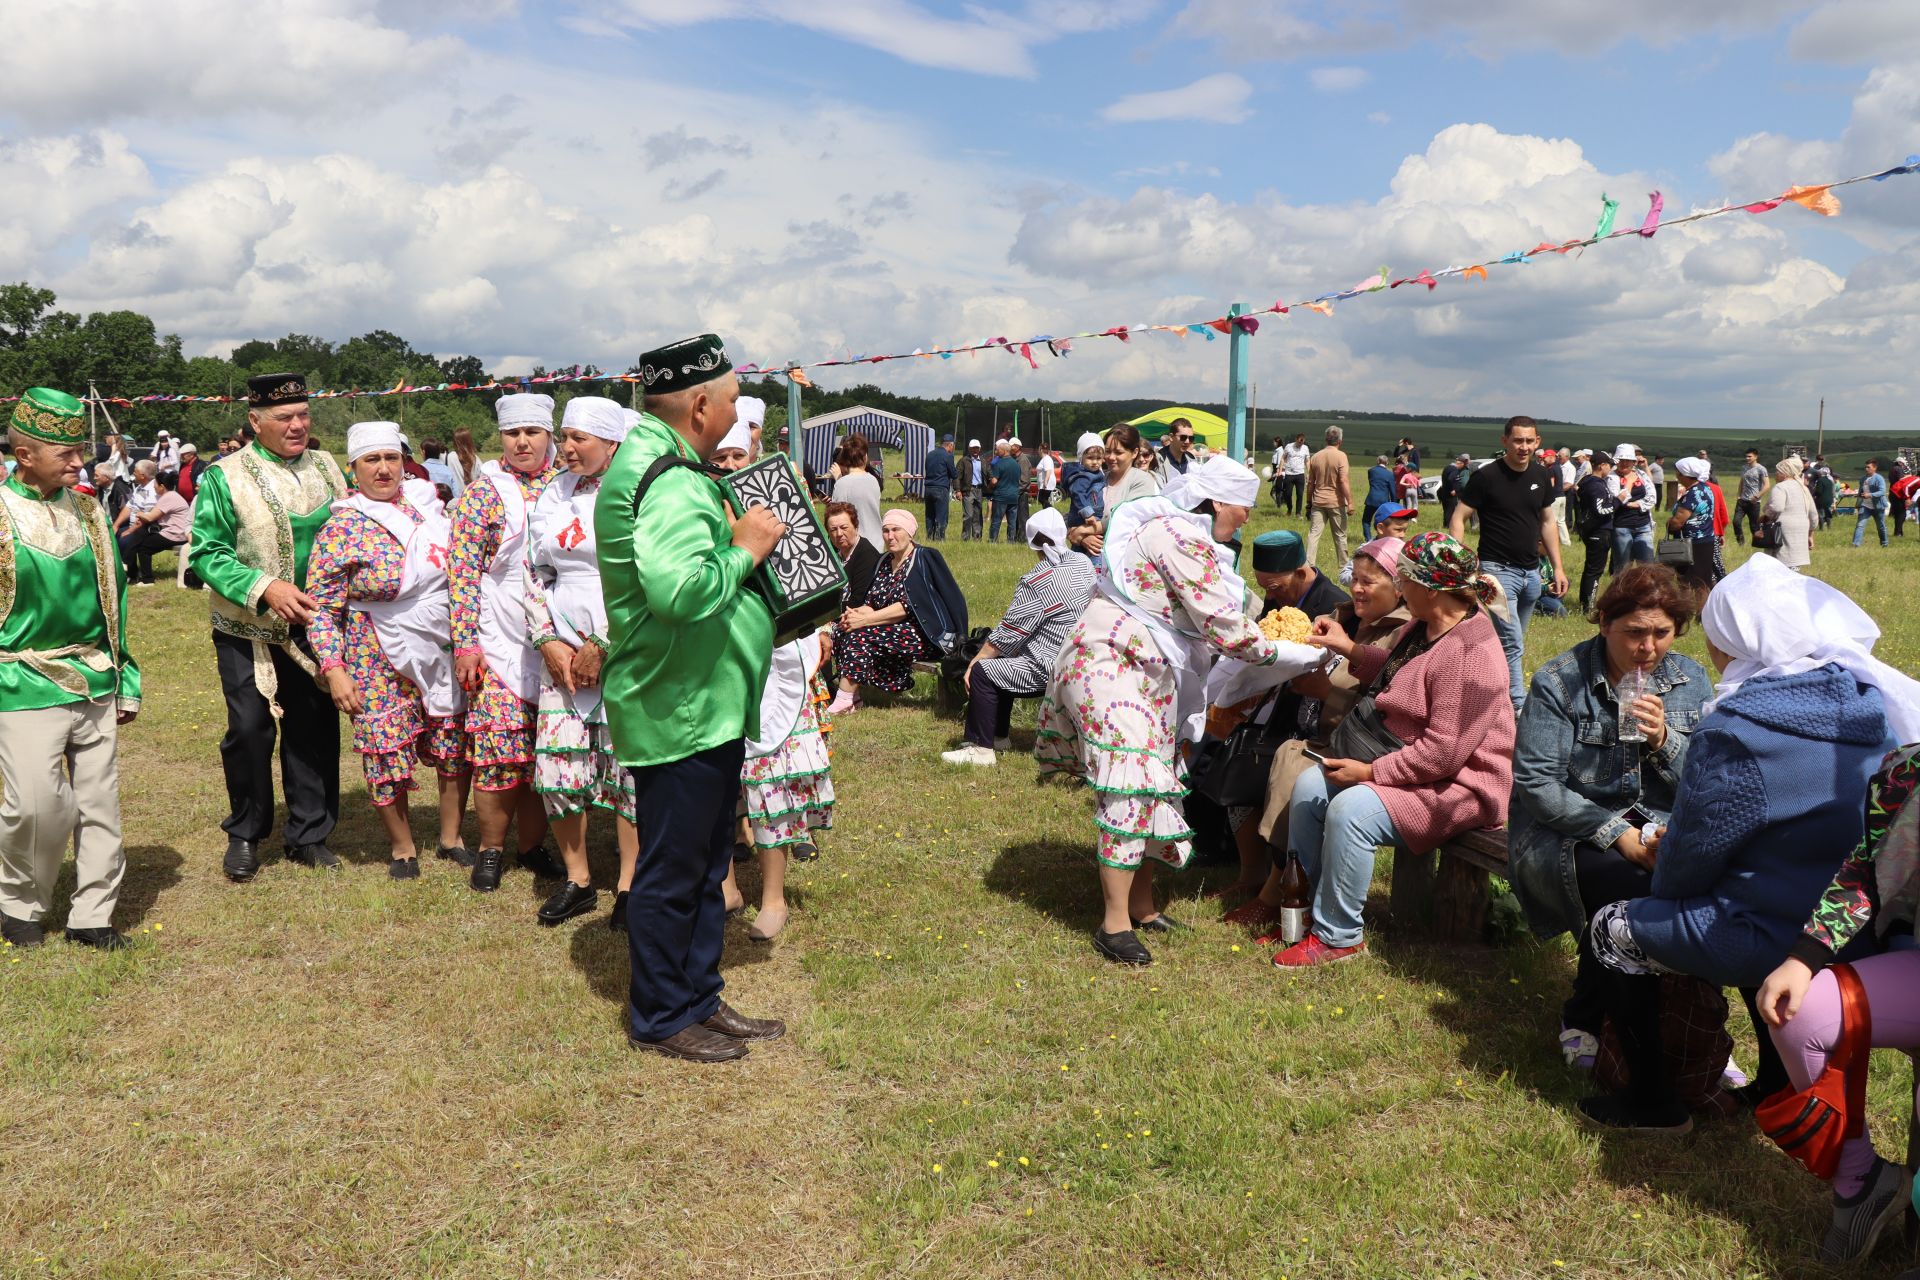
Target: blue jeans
[
  {"x": 1002, "y": 508},
  {"x": 1335, "y": 832},
  {"x": 936, "y": 503},
  {"x": 1523, "y": 587},
  {"x": 1860, "y": 524},
  {"x": 1632, "y": 546}
]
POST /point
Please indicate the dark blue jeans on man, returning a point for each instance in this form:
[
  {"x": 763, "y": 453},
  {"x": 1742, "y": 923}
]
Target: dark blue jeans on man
[
  {"x": 937, "y": 500},
  {"x": 677, "y": 914},
  {"x": 1002, "y": 508}
]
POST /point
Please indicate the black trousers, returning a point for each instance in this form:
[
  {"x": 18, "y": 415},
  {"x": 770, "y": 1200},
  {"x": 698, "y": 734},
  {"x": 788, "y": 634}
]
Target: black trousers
[
  {"x": 1603, "y": 876},
  {"x": 676, "y": 914},
  {"x": 1599, "y": 549},
  {"x": 1745, "y": 511},
  {"x": 309, "y": 747},
  {"x": 989, "y": 710},
  {"x": 137, "y": 551},
  {"x": 1293, "y": 494}
]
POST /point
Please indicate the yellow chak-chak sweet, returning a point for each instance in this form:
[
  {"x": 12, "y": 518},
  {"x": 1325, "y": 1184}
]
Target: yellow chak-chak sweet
[{"x": 1286, "y": 624}]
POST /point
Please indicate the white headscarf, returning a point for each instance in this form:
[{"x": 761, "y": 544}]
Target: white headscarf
[
  {"x": 1088, "y": 440},
  {"x": 364, "y": 438},
  {"x": 522, "y": 409},
  {"x": 1054, "y": 525},
  {"x": 1692, "y": 468},
  {"x": 752, "y": 410},
  {"x": 741, "y": 438},
  {"x": 1221, "y": 479},
  {"x": 1774, "y": 622},
  {"x": 597, "y": 416}
]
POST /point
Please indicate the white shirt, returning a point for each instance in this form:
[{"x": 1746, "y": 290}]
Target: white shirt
[
  {"x": 1294, "y": 459},
  {"x": 143, "y": 497},
  {"x": 166, "y": 457},
  {"x": 1043, "y": 471}
]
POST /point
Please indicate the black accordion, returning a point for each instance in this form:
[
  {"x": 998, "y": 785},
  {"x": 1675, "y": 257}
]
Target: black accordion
[{"x": 802, "y": 581}]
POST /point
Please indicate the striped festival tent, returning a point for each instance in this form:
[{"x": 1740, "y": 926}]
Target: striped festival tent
[{"x": 820, "y": 437}]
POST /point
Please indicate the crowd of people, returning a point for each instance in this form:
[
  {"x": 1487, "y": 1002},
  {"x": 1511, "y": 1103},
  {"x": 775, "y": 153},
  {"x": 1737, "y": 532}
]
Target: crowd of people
[{"x": 578, "y": 626}]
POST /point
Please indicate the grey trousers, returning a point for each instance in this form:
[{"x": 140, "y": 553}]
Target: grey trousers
[{"x": 60, "y": 767}]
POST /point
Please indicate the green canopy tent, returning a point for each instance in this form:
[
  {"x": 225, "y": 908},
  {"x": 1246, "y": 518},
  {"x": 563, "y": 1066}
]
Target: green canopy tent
[{"x": 1208, "y": 428}]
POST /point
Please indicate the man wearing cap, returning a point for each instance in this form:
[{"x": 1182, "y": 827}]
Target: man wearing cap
[
  {"x": 691, "y": 647},
  {"x": 937, "y": 475},
  {"x": 974, "y": 480},
  {"x": 254, "y": 521},
  {"x": 493, "y": 655},
  {"x": 1287, "y": 577},
  {"x": 1594, "y": 505},
  {"x": 67, "y": 682}
]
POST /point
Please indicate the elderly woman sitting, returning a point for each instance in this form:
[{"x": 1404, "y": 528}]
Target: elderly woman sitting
[
  {"x": 1018, "y": 656},
  {"x": 1425, "y": 754},
  {"x": 914, "y": 611},
  {"x": 1582, "y": 793},
  {"x": 855, "y": 552},
  {"x": 1771, "y": 799}
]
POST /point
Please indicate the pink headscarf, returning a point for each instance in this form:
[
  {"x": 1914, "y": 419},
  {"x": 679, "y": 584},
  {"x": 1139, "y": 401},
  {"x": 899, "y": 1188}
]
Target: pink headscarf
[
  {"x": 903, "y": 518},
  {"x": 1384, "y": 552}
]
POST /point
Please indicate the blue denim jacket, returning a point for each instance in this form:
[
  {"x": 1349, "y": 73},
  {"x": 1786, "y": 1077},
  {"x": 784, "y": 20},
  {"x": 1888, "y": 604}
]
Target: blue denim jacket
[{"x": 1573, "y": 779}]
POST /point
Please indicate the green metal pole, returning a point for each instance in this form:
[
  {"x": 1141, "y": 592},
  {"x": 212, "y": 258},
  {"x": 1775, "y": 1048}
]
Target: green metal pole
[
  {"x": 1236, "y": 386},
  {"x": 795, "y": 449}
]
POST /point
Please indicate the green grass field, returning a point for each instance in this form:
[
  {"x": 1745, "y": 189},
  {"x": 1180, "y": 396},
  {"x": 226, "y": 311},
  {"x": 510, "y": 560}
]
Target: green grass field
[{"x": 348, "y": 1077}]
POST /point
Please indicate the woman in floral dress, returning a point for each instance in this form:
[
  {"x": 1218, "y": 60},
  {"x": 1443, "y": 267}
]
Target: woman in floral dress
[
  {"x": 787, "y": 784},
  {"x": 1134, "y": 672},
  {"x": 574, "y": 768},
  {"x": 878, "y": 642},
  {"x": 378, "y": 576}
]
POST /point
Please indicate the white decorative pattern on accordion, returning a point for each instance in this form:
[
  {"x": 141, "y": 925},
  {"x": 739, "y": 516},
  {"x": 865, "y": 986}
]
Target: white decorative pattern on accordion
[{"x": 803, "y": 563}]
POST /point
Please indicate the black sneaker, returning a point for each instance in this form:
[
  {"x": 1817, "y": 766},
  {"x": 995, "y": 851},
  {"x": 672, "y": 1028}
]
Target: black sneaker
[
  {"x": 1162, "y": 923},
  {"x": 618, "y": 920},
  {"x": 403, "y": 868},
  {"x": 1617, "y": 1111},
  {"x": 242, "y": 862},
  {"x": 317, "y": 856},
  {"x": 26, "y": 933},
  {"x": 806, "y": 851},
  {"x": 458, "y": 854},
  {"x": 568, "y": 901},
  {"x": 542, "y": 863},
  {"x": 1124, "y": 947},
  {"x": 98, "y": 939},
  {"x": 487, "y": 867},
  {"x": 1858, "y": 1223}
]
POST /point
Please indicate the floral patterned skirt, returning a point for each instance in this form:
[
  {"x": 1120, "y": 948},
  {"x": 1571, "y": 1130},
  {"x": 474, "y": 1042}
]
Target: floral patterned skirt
[
  {"x": 393, "y": 728},
  {"x": 789, "y": 791},
  {"x": 880, "y": 657},
  {"x": 501, "y": 729},
  {"x": 573, "y": 762},
  {"x": 442, "y": 744},
  {"x": 1108, "y": 720}
]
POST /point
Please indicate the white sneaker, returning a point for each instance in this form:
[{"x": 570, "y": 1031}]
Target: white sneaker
[
  {"x": 1003, "y": 744},
  {"x": 970, "y": 754}
]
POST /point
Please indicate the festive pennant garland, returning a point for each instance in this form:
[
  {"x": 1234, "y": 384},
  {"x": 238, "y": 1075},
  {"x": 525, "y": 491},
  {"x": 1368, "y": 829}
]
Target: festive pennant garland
[{"x": 1819, "y": 198}]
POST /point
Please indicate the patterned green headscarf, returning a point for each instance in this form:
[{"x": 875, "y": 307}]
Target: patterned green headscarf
[{"x": 1439, "y": 563}]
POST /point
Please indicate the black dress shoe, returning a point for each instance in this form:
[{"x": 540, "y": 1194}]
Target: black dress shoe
[
  {"x": 487, "y": 867},
  {"x": 542, "y": 863},
  {"x": 21, "y": 933},
  {"x": 618, "y": 920},
  {"x": 242, "y": 862},
  {"x": 694, "y": 1044},
  {"x": 1123, "y": 948},
  {"x": 99, "y": 939},
  {"x": 403, "y": 868},
  {"x": 568, "y": 901},
  {"x": 740, "y": 1027},
  {"x": 458, "y": 854},
  {"x": 1162, "y": 923},
  {"x": 806, "y": 851},
  {"x": 317, "y": 856}
]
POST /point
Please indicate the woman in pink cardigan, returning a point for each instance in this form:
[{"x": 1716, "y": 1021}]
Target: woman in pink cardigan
[{"x": 1426, "y": 755}]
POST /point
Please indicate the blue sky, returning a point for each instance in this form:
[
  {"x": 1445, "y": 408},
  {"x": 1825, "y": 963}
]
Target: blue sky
[{"x": 549, "y": 182}]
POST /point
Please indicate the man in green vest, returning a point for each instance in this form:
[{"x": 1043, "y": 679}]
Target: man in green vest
[
  {"x": 691, "y": 644},
  {"x": 254, "y": 521},
  {"x": 67, "y": 682}
]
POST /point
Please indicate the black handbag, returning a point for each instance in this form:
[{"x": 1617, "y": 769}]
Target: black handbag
[
  {"x": 1766, "y": 536},
  {"x": 1234, "y": 772},
  {"x": 1677, "y": 552},
  {"x": 1362, "y": 734}
]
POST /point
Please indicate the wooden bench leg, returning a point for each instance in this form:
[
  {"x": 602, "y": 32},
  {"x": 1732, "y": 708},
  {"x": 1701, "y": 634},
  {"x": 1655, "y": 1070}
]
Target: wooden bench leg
[
  {"x": 1462, "y": 894},
  {"x": 1410, "y": 891}
]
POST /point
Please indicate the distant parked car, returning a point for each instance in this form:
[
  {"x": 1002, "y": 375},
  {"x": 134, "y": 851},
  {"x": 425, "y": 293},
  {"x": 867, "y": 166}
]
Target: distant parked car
[{"x": 1430, "y": 485}]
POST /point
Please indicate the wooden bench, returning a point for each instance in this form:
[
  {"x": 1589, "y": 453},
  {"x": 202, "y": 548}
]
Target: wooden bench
[{"x": 1447, "y": 891}]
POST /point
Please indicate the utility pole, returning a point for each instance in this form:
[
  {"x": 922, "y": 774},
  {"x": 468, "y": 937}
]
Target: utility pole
[
  {"x": 796, "y": 448},
  {"x": 1820, "y": 432},
  {"x": 1253, "y": 433},
  {"x": 1236, "y": 385}
]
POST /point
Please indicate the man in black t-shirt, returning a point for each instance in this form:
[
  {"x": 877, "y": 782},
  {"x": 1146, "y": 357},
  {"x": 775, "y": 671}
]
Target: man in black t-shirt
[{"x": 1513, "y": 496}]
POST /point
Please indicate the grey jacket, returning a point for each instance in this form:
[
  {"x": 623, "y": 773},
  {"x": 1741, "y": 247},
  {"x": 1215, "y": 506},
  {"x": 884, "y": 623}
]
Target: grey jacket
[{"x": 1574, "y": 780}]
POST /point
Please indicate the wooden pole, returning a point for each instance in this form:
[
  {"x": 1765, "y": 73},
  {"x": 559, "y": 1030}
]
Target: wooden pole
[
  {"x": 1820, "y": 433},
  {"x": 1236, "y": 386}
]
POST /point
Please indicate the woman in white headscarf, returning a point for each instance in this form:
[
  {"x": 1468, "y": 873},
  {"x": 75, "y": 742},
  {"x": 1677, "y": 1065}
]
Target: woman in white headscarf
[
  {"x": 574, "y": 767},
  {"x": 1692, "y": 519},
  {"x": 378, "y": 576},
  {"x": 1018, "y": 657},
  {"x": 1133, "y": 673},
  {"x": 1771, "y": 798},
  {"x": 1791, "y": 511}
]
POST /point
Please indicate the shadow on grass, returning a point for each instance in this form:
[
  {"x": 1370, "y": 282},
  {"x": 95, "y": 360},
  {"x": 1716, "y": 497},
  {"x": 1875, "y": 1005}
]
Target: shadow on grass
[
  {"x": 152, "y": 869},
  {"x": 1057, "y": 878}
]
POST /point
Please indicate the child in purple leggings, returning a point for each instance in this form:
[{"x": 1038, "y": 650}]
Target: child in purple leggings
[{"x": 1878, "y": 883}]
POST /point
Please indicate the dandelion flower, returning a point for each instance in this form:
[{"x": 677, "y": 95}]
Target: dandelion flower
[
  {"x": 1024, "y": 1162},
  {"x": 936, "y": 1168},
  {"x": 1236, "y": 947},
  {"x": 993, "y": 1164}
]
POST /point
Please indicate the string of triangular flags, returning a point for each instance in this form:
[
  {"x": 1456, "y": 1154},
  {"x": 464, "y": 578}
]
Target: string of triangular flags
[{"x": 1818, "y": 197}]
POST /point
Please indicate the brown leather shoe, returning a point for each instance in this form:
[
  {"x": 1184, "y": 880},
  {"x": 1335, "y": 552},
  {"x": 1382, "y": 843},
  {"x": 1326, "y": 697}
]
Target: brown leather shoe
[
  {"x": 695, "y": 1044},
  {"x": 738, "y": 1027}
]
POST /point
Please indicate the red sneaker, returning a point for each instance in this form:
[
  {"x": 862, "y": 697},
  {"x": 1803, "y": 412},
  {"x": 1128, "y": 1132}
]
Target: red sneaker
[
  {"x": 1311, "y": 951},
  {"x": 1251, "y": 912}
]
